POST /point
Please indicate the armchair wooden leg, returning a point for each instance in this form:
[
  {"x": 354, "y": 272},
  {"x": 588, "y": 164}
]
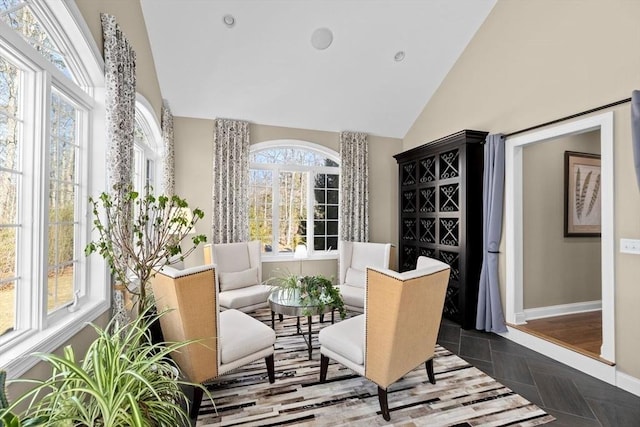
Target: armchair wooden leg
[
  {"x": 324, "y": 366},
  {"x": 270, "y": 368},
  {"x": 280, "y": 317},
  {"x": 384, "y": 405},
  {"x": 429, "y": 365},
  {"x": 195, "y": 404}
]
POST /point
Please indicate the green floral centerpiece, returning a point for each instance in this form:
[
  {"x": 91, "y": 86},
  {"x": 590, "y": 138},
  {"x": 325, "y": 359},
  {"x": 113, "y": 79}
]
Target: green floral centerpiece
[{"x": 313, "y": 291}]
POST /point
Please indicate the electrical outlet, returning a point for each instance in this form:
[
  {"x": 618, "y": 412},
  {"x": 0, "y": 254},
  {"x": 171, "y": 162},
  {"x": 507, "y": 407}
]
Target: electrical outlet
[{"x": 630, "y": 246}]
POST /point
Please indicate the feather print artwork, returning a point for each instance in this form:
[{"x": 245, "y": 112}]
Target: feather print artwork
[
  {"x": 577, "y": 193},
  {"x": 582, "y": 195},
  {"x": 594, "y": 195}
]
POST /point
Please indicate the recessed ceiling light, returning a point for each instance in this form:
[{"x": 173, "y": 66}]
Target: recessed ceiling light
[
  {"x": 229, "y": 20},
  {"x": 321, "y": 38},
  {"x": 399, "y": 56}
]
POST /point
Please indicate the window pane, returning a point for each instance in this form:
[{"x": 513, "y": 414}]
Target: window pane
[
  {"x": 9, "y": 123},
  {"x": 7, "y": 307},
  {"x": 332, "y": 228},
  {"x": 60, "y": 286},
  {"x": 291, "y": 156},
  {"x": 293, "y": 210},
  {"x": 332, "y": 212},
  {"x": 261, "y": 207},
  {"x": 151, "y": 175},
  {"x": 10, "y": 148},
  {"x": 62, "y": 202},
  {"x": 24, "y": 21},
  {"x": 332, "y": 181},
  {"x": 326, "y": 209},
  {"x": 7, "y": 253},
  {"x": 319, "y": 228},
  {"x": 332, "y": 197},
  {"x": 8, "y": 198},
  {"x": 332, "y": 243},
  {"x": 320, "y": 196}
]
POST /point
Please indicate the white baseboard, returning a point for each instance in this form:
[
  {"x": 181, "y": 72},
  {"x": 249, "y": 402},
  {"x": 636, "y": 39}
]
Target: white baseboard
[
  {"x": 628, "y": 383},
  {"x": 562, "y": 309}
]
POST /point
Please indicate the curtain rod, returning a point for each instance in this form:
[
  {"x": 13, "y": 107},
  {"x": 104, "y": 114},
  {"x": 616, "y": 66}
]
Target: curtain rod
[{"x": 573, "y": 116}]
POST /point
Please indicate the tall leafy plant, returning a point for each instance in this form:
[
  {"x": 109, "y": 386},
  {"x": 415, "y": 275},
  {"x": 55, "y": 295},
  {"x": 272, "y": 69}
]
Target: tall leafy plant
[{"x": 139, "y": 234}]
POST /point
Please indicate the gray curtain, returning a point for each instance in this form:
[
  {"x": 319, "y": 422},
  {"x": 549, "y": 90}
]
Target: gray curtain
[
  {"x": 354, "y": 187},
  {"x": 490, "y": 316},
  {"x": 230, "y": 213},
  {"x": 120, "y": 99},
  {"x": 635, "y": 131},
  {"x": 168, "y": 169}
]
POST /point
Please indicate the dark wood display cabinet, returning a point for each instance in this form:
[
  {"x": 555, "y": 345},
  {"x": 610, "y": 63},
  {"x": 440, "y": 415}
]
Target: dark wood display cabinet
[{"x": 440, "y": 213}]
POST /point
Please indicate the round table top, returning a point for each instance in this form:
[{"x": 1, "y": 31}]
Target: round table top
[{"x": 287, "y": 302}]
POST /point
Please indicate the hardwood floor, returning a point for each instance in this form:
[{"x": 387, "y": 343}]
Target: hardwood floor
[{"x": 580, "y": 332}]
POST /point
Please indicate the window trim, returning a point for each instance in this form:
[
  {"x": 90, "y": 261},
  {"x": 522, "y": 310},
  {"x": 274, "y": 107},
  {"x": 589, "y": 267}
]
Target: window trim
[
  {"x": 49, "y": 335},
  {"x": 305, "y": 145}
]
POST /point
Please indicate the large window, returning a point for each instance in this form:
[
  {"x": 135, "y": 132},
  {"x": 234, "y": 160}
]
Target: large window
[
  {"x": 47, "y": 144},
  {"x": 294, "y": 196}
]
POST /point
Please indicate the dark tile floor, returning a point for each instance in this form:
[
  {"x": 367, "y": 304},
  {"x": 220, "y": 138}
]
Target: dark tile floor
[{"x": 572, "y": 397}]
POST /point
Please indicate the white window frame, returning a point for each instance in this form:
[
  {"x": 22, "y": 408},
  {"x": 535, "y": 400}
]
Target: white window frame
[
  {"x": 41, "y": 332},
  {"x": 311, "y": 171}
]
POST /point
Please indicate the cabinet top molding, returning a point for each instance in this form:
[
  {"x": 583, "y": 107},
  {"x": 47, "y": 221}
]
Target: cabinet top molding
[{"x": 469, "y": 136}]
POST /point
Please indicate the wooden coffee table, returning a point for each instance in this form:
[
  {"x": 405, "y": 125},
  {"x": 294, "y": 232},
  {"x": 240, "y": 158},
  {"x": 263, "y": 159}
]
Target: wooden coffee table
[{"x": 285, "y": 303}]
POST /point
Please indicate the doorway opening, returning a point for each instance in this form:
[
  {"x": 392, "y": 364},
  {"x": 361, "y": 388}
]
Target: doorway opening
[{"x": 522, "y": 303}]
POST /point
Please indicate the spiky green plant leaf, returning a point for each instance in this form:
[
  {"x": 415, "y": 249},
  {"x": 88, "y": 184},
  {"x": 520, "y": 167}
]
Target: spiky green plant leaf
[{"x": 124, "y": 379}]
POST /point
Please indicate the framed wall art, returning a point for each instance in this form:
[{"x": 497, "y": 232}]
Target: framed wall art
[{"x": 582, "y": 215}]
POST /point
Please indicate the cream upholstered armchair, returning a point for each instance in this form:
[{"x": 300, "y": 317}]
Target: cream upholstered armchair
[
  {"x": 397, "y": 331},
  {"x": 239, "y": 277},
  {"x": 355, "y": 257},
  {"x": 226, "y": 340}
]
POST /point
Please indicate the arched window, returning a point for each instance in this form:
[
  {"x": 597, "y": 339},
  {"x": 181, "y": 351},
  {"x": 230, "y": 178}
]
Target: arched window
[
  {"x": 50, "y": 157},
  {"x": 294, "y": 196},
  {"x": 147, "y": 148}
]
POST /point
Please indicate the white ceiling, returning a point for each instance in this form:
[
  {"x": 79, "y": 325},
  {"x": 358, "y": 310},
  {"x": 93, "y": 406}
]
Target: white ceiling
[{"x": 265, "y": 70}]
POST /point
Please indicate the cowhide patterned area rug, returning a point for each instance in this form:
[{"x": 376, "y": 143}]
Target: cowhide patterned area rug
[{"x": 462, "y": 396}]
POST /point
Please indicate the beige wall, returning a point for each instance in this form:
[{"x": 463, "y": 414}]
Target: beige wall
[
  {"x": 129, "y": 16},
  {"x": 557, "y": 269},
  {"x": 532, "y": 62},
  {"x": 193, "y": 154}
]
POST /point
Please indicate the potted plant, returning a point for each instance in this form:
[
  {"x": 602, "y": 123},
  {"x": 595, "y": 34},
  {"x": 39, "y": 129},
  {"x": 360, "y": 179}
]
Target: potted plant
[
  {"x": 124, "y": 379},
  {"x": 312, "y": 291},
  {"x": 139, "y": 234}
]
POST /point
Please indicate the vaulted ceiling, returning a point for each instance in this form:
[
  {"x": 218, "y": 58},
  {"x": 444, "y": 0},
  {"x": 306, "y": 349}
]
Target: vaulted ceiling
[{"x": 264, "y": 68}]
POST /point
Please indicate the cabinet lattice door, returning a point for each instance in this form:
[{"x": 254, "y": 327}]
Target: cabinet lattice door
[{"x": 440, "y": 212}]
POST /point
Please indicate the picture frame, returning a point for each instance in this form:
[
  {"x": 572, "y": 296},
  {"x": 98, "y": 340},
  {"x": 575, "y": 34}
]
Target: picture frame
[{"x": 582, "y": 195}]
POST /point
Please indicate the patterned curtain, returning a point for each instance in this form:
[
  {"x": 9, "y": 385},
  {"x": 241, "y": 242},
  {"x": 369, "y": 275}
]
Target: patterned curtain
[
  {"x": 354, "y": 187},
  {"x": 120, "y": 81},
  {"x": 230, "y": 213},
  {"x": 168, "y": 169},
  {"x": 120, "y": 99}
]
